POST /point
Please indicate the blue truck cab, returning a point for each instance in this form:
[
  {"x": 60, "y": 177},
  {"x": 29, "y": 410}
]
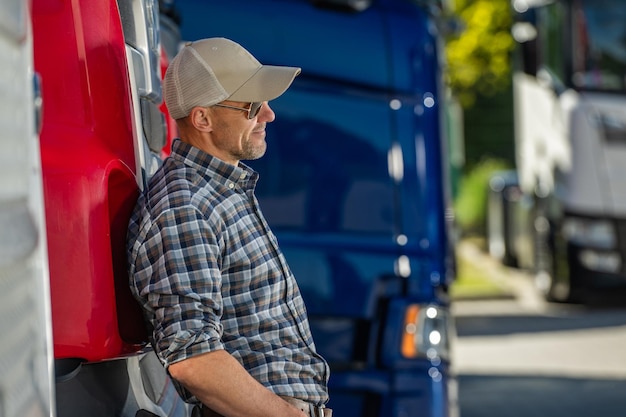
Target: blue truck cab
[{"x": 355, "y": 186}]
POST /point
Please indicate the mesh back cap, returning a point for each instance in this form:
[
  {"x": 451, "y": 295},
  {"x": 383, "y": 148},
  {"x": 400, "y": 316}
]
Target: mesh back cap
[{"x": 212, "y": 70}]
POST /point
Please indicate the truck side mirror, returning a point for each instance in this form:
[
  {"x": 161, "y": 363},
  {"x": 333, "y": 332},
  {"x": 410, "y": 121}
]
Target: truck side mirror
[{"x": 525, "y": 34}]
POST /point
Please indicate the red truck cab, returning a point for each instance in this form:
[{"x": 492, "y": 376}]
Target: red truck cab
[{"x": 102, "y": 135}]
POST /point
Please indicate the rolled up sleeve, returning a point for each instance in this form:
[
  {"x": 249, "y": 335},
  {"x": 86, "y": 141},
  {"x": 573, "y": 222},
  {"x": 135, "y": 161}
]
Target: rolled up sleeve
[{"x": 178, "y": 281}]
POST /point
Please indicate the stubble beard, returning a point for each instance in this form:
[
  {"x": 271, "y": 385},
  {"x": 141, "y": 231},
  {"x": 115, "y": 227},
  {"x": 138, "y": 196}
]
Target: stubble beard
[{"x": 250, "y": 151}]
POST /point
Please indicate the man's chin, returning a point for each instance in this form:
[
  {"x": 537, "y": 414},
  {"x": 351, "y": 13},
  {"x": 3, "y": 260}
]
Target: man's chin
[{"x": 255, "y": 153}]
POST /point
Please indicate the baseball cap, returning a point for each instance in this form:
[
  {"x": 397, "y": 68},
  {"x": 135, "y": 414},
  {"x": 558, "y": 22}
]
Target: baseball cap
[{"x": 208, "y": 71}]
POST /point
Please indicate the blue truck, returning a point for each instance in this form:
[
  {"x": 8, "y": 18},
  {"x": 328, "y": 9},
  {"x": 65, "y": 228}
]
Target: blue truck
[{"x": 356, "y": 186}]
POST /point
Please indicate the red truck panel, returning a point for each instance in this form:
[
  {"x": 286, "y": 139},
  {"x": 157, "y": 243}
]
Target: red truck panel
[{"x": 89, "y": 176}]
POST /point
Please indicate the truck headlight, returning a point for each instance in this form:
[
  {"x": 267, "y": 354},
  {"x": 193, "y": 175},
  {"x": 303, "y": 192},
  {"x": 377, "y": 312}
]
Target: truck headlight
[
  {"x": 589, "y": 232},
  {"x": 426, "y": 332},
  {"x": 610, "y": 262}
]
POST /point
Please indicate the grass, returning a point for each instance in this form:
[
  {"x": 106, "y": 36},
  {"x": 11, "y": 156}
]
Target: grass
[{"x": 476, "y": 279}]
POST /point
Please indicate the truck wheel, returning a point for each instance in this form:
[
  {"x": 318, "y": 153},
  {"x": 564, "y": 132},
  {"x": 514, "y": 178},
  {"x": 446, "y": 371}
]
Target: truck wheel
[{"x": 545, "y": 271}]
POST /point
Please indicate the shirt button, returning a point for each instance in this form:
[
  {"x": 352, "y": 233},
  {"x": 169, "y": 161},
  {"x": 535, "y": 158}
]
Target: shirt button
[
  {"x": 243, "y": 176},
  {"x": 231, "y": 185}
]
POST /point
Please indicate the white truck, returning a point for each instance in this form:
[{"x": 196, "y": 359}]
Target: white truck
[
  {"x": 570, "y": 128},
  {"x": 26, "y": 348}
]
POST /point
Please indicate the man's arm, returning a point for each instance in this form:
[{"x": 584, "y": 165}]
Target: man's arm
[{"x": 222, "y": 384}]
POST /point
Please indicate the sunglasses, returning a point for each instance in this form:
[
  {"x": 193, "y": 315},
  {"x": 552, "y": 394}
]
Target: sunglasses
[{"x": 253, "y": 110}]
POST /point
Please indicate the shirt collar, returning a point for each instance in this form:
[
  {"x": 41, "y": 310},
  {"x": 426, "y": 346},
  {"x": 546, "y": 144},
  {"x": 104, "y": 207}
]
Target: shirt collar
[{"x": 215, "y": 168}]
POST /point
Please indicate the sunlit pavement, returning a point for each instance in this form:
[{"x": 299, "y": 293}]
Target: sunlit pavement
[
  {"x": 525, "y": 357},
  {"x": 500, "y": 337}
]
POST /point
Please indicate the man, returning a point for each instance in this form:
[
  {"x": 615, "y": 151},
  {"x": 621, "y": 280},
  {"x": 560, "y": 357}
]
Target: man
[{"x": 229, "y": 322}]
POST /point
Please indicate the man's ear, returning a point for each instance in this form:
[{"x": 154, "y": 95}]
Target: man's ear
[{"x": 200, "y": 119}]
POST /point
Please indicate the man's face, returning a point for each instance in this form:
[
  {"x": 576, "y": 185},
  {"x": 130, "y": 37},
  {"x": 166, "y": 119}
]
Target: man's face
[{"x": 235, "y": 136}]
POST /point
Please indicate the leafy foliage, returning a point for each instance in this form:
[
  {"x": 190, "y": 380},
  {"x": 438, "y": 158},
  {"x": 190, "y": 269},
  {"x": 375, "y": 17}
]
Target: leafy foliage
[
  {"x": 471, "y": 204},
  {"x": 479, "y": 61}
]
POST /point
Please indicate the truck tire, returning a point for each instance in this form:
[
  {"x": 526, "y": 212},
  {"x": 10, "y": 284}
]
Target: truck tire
[{"x": 547, "y": 261}]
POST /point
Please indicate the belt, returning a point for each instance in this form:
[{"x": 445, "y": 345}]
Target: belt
[{"x": 310, "y": 409}]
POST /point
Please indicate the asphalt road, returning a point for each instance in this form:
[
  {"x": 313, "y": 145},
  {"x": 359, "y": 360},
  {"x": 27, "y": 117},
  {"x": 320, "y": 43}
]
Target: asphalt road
[{"x": 526, "y": 358}]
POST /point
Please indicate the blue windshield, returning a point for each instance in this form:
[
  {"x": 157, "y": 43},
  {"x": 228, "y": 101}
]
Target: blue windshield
[{"x": 599, "y": 44}]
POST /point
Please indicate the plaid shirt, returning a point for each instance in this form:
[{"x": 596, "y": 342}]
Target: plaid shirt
[{"x": 210, "y": 275}]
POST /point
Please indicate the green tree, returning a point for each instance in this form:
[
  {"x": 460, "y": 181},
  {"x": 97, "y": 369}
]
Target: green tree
[{"x": 479, "y": 59}]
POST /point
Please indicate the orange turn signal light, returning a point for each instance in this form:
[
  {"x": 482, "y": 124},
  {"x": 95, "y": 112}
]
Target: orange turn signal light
[{"x": 409, "y": 334}]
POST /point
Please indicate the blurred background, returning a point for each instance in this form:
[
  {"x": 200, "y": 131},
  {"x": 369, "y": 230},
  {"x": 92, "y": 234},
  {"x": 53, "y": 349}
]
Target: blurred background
[{"x": 540, "y": 207}]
